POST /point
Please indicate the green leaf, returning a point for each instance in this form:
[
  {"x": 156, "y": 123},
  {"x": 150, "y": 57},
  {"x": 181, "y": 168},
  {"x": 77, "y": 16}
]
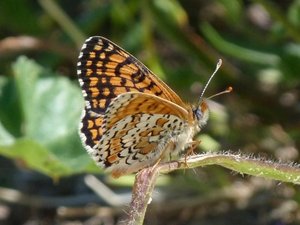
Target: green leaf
[
  {"x": 51, "y": 106},
  {"x": 10, "y": 113},
  {"x": 172, "y": 11},
  {"x": 5, "y": 137},
  {"x": 20, "y": 15},
  {"x": 32, "y": 155},
  {"x": 234, "y": 50},
  {"x": 234, "y": 10}
]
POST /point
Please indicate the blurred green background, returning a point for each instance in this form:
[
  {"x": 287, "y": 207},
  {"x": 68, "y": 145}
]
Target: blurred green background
[{"x": 42, "y": 162}]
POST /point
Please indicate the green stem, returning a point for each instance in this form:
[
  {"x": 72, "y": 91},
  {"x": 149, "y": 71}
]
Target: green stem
[
  {"x": 241, "y": 164},
  {"x": 146, "y": 178},
  {"x": 63, "y": 20},
  {"x": 234, "y": 50},
  {"x": 278, "y": 16}
]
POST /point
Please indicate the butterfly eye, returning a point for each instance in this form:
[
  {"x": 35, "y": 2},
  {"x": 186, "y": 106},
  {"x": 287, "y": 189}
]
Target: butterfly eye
[
  {"x": 201, "y": 114},
  {"x": 198, "y": 113}
]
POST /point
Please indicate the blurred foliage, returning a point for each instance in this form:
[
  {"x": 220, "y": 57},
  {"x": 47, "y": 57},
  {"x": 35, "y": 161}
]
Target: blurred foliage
[
  {"x": 44, "y": 138},
  {"x": 258, "y": 40}
]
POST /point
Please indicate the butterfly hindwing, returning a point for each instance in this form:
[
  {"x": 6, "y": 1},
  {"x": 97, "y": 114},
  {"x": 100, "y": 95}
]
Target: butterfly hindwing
[{"x": 138, "y": 130}]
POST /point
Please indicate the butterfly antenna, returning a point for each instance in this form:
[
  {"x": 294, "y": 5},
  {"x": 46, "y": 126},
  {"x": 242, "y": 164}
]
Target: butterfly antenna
[
  {"x": 228, "y": 90},
  {"x": 219, "y": 64}
]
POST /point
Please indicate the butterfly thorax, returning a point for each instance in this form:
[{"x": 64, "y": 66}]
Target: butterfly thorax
[
  {"x": 182, "y": 141},
  {"x": 183, "y": 138}
]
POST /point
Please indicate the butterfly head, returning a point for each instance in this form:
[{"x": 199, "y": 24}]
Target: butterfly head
[{"x": 201, "y": 113}]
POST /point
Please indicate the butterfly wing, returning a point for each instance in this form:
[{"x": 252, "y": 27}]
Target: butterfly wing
[
  {"x": 105, "y": 71},
  {"x": 139, "y": 129}
]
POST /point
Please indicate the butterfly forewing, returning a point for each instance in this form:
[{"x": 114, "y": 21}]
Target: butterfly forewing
[
  {"x": 131, "y": 118},
  {"x": 105, "y": 71}
]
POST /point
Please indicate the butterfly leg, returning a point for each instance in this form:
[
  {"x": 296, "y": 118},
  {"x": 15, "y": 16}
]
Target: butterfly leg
[
  {"x": 165, "y": 153},
  {"x": 190, "y": 151}
]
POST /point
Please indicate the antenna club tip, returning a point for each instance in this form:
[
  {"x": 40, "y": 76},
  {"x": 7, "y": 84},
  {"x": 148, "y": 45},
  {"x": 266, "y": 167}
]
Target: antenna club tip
[
  {"x": 219, "y": 64},
  {"x": 229, "y": 89}
]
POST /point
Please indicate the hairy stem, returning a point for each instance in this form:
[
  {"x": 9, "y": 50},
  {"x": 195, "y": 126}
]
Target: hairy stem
[{"x": 146, "y": 178}]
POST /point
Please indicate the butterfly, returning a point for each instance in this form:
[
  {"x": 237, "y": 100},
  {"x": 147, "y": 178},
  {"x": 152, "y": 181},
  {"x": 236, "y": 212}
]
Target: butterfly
[{"x": 131, "y": 119}]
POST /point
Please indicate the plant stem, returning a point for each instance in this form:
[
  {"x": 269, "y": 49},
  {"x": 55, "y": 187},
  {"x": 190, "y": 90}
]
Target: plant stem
[
  {"x": 63, "y": 20},
  {"x": 146, "y": 178}
]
